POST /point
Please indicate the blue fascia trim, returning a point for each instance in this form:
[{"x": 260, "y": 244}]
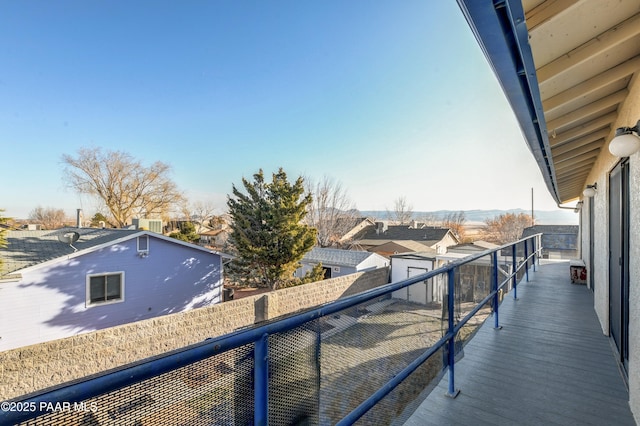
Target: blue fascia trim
[{"x": 501, "y": 31}]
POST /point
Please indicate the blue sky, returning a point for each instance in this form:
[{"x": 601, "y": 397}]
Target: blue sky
[{"x": 389, "y": 98}]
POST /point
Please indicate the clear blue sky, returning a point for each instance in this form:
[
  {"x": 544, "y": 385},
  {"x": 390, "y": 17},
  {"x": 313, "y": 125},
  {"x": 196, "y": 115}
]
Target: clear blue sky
[{"x": 389, "y": 98}]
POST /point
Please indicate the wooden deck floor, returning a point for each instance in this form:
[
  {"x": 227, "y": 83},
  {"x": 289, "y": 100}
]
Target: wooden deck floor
[{"x": 549, "y": 365}]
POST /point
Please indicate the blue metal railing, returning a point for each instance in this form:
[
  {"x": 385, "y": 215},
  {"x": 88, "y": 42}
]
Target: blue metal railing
[{"x": 82, "y": 390}]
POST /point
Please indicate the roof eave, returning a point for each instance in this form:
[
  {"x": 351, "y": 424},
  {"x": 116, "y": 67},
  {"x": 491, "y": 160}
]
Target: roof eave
[{"x": 501, "y": 31}]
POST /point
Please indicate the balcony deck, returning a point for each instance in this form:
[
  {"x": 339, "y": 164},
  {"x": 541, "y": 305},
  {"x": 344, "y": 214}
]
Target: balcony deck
[{"x": 550, "y": 364}]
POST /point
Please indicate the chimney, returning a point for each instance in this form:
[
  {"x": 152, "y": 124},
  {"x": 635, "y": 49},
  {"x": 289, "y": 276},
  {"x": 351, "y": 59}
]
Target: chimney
[
  {"x": 78, "y": 218},
  {"x": 381, "y": 227}
]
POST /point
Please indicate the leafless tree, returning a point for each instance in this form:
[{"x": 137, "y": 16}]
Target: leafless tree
[
  {"x": 402, "y": 213},
  {"x": 49, "y": 217},
  {"x": 455, "y": 221},
  {"x": 331, "y": 212},
  {"x": 127, "y": 188},
  {"x": 430, "y": 219},
  {"x": 505, "y": 228},
  {"x": 199, "y": 213}
]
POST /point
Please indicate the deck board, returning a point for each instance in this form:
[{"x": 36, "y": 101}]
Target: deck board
[{"x": 550, "y": 364}]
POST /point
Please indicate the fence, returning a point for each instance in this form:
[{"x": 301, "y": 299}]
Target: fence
[{"x": 364, "y": 359}]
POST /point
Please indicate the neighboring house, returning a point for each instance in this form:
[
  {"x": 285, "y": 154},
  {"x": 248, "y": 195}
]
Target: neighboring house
[
  {"x": 214, "y": 237},
  {"x": 558, "y": 241},
  {"x": 355, "y": 228},
  {"x": 407, "y": 265},
  {"x": 337, "y": 263},
  {"x": 388, "y": 240},
  {"x": 56, "y": 284}
]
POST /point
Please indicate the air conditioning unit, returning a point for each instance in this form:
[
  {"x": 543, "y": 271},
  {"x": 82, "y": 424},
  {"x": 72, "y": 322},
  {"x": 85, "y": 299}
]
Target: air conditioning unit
[{"x": 153, "y": 225}]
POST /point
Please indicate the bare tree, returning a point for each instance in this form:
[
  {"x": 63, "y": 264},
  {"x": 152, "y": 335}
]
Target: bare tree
[
  {"x": 455, "y": 221},
  {"x": 49, "y": 217},
  {"x": 202, "y": 213},
  {"x": 127, "y": 188},
  {"x": 331, "y": 212},
  {"x": 430, "y": 219},
  {"x": 402, "y": 212},
  {"x": 505, "y": 228}
]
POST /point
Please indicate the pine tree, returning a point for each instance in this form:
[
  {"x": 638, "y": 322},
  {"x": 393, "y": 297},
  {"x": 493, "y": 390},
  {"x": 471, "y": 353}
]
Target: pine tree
[{"x": 267, "y": 229}]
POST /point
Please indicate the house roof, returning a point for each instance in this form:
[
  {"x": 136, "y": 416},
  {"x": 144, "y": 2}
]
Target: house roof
[
  {"x": 566, "y": 68},
  {"x": 402, "y": 246},
  {"x": 329, "y": 256},
  {"x": 479, "y": 245},
  {"x": 30, "y": 248},
  {"x": 429, "y": 254},
  {"x": 212, "y": 232},
  {"x": 403, "y": 233}
]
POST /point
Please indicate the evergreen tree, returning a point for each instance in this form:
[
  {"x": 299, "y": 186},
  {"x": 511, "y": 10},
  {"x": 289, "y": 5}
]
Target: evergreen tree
[
  {"x": 187, "y": 233},
  {"x": 267, "y": 229}
]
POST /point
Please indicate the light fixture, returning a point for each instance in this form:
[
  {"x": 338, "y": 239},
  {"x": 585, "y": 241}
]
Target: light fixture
[
  {"x": 625, "y": 142},
  {"x": 578, "y": 207},
  {"x": 590, "y": 190}
]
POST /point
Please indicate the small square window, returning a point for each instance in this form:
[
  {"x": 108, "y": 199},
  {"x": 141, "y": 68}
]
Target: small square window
[
  {"x": 105, "y": 288},
  {"x": 143, "y": 244}
]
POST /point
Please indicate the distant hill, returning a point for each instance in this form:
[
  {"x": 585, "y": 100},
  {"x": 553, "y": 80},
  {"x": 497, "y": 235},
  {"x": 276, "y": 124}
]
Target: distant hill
[{"x": 542, "y": 217}]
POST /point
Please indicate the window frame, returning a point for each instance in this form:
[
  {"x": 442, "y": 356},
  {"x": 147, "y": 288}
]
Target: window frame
[
  {"x": 89, "y": 303},
  {"x": 145, "y": 250}
]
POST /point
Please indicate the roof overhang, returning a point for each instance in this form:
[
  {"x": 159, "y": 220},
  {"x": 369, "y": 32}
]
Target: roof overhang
[{"x": 565, "y": 68}]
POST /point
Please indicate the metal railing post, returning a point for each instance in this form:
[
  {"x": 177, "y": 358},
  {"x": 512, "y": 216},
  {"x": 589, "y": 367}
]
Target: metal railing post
[
  {"x": 451, "y": 358},
  {"x": 526, "y": 260},
  {"x": 515, "y": 271},
  {"x": 534, "y": 252},
  {"x": 261, "y": 381},
  {"x": 494, "y": 288}
]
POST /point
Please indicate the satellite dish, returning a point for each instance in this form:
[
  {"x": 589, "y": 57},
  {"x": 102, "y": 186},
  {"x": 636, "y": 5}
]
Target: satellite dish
[{"x": 69, "y": 237}]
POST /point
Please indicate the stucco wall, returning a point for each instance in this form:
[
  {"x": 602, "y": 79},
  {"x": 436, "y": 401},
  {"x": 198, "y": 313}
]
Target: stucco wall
[
  {"x": 35, "y": 367},
  {"x": 629, "y": 114}
]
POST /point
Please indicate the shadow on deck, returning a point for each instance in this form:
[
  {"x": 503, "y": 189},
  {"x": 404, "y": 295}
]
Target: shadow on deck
[{"x": 550, "y": 364}]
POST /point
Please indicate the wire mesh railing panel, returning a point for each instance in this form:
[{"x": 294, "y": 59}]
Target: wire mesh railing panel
[
  {"x": 294, "y": 376},
  {"x": 214, "y": 391},
  {"x": 365, "y": 346},
  {"x": 396, "y": 407},
  {"x": 473, "y": 285}
]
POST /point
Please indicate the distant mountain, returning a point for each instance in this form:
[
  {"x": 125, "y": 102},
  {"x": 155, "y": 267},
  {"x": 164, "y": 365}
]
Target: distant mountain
[{"x": 542, "y": 217}]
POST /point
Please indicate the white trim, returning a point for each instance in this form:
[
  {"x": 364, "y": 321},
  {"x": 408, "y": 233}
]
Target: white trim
[
  {"x": 89, "y": 304},
  {"x": 144, "y": 250}
]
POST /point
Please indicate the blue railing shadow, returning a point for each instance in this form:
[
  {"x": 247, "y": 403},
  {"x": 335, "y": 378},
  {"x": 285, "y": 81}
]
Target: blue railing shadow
[{"x": 524, "y": 254}]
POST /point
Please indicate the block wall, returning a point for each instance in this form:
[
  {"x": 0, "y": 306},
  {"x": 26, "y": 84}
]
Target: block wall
[{"x": 32, "y": 368}]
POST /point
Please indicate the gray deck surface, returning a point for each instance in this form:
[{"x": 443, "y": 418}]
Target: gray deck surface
[{"x": 549, "y": 365}]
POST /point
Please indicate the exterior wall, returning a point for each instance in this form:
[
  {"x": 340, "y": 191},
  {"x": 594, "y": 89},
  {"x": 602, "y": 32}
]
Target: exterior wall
[
  {"x": 49, "y": 302},
  {"x": 344, "y": 270},
  {"x": 423, "y": 293},
  {"x": 629, "y": 114},
  {"x": 373, "y": 262},
  {"x": 447, "y": 241},
  {"x": 31, "y": 368}
]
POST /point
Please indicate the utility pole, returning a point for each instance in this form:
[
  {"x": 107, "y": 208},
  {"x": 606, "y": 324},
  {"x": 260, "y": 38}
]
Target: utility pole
[{"x": 532, "y": 218}]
